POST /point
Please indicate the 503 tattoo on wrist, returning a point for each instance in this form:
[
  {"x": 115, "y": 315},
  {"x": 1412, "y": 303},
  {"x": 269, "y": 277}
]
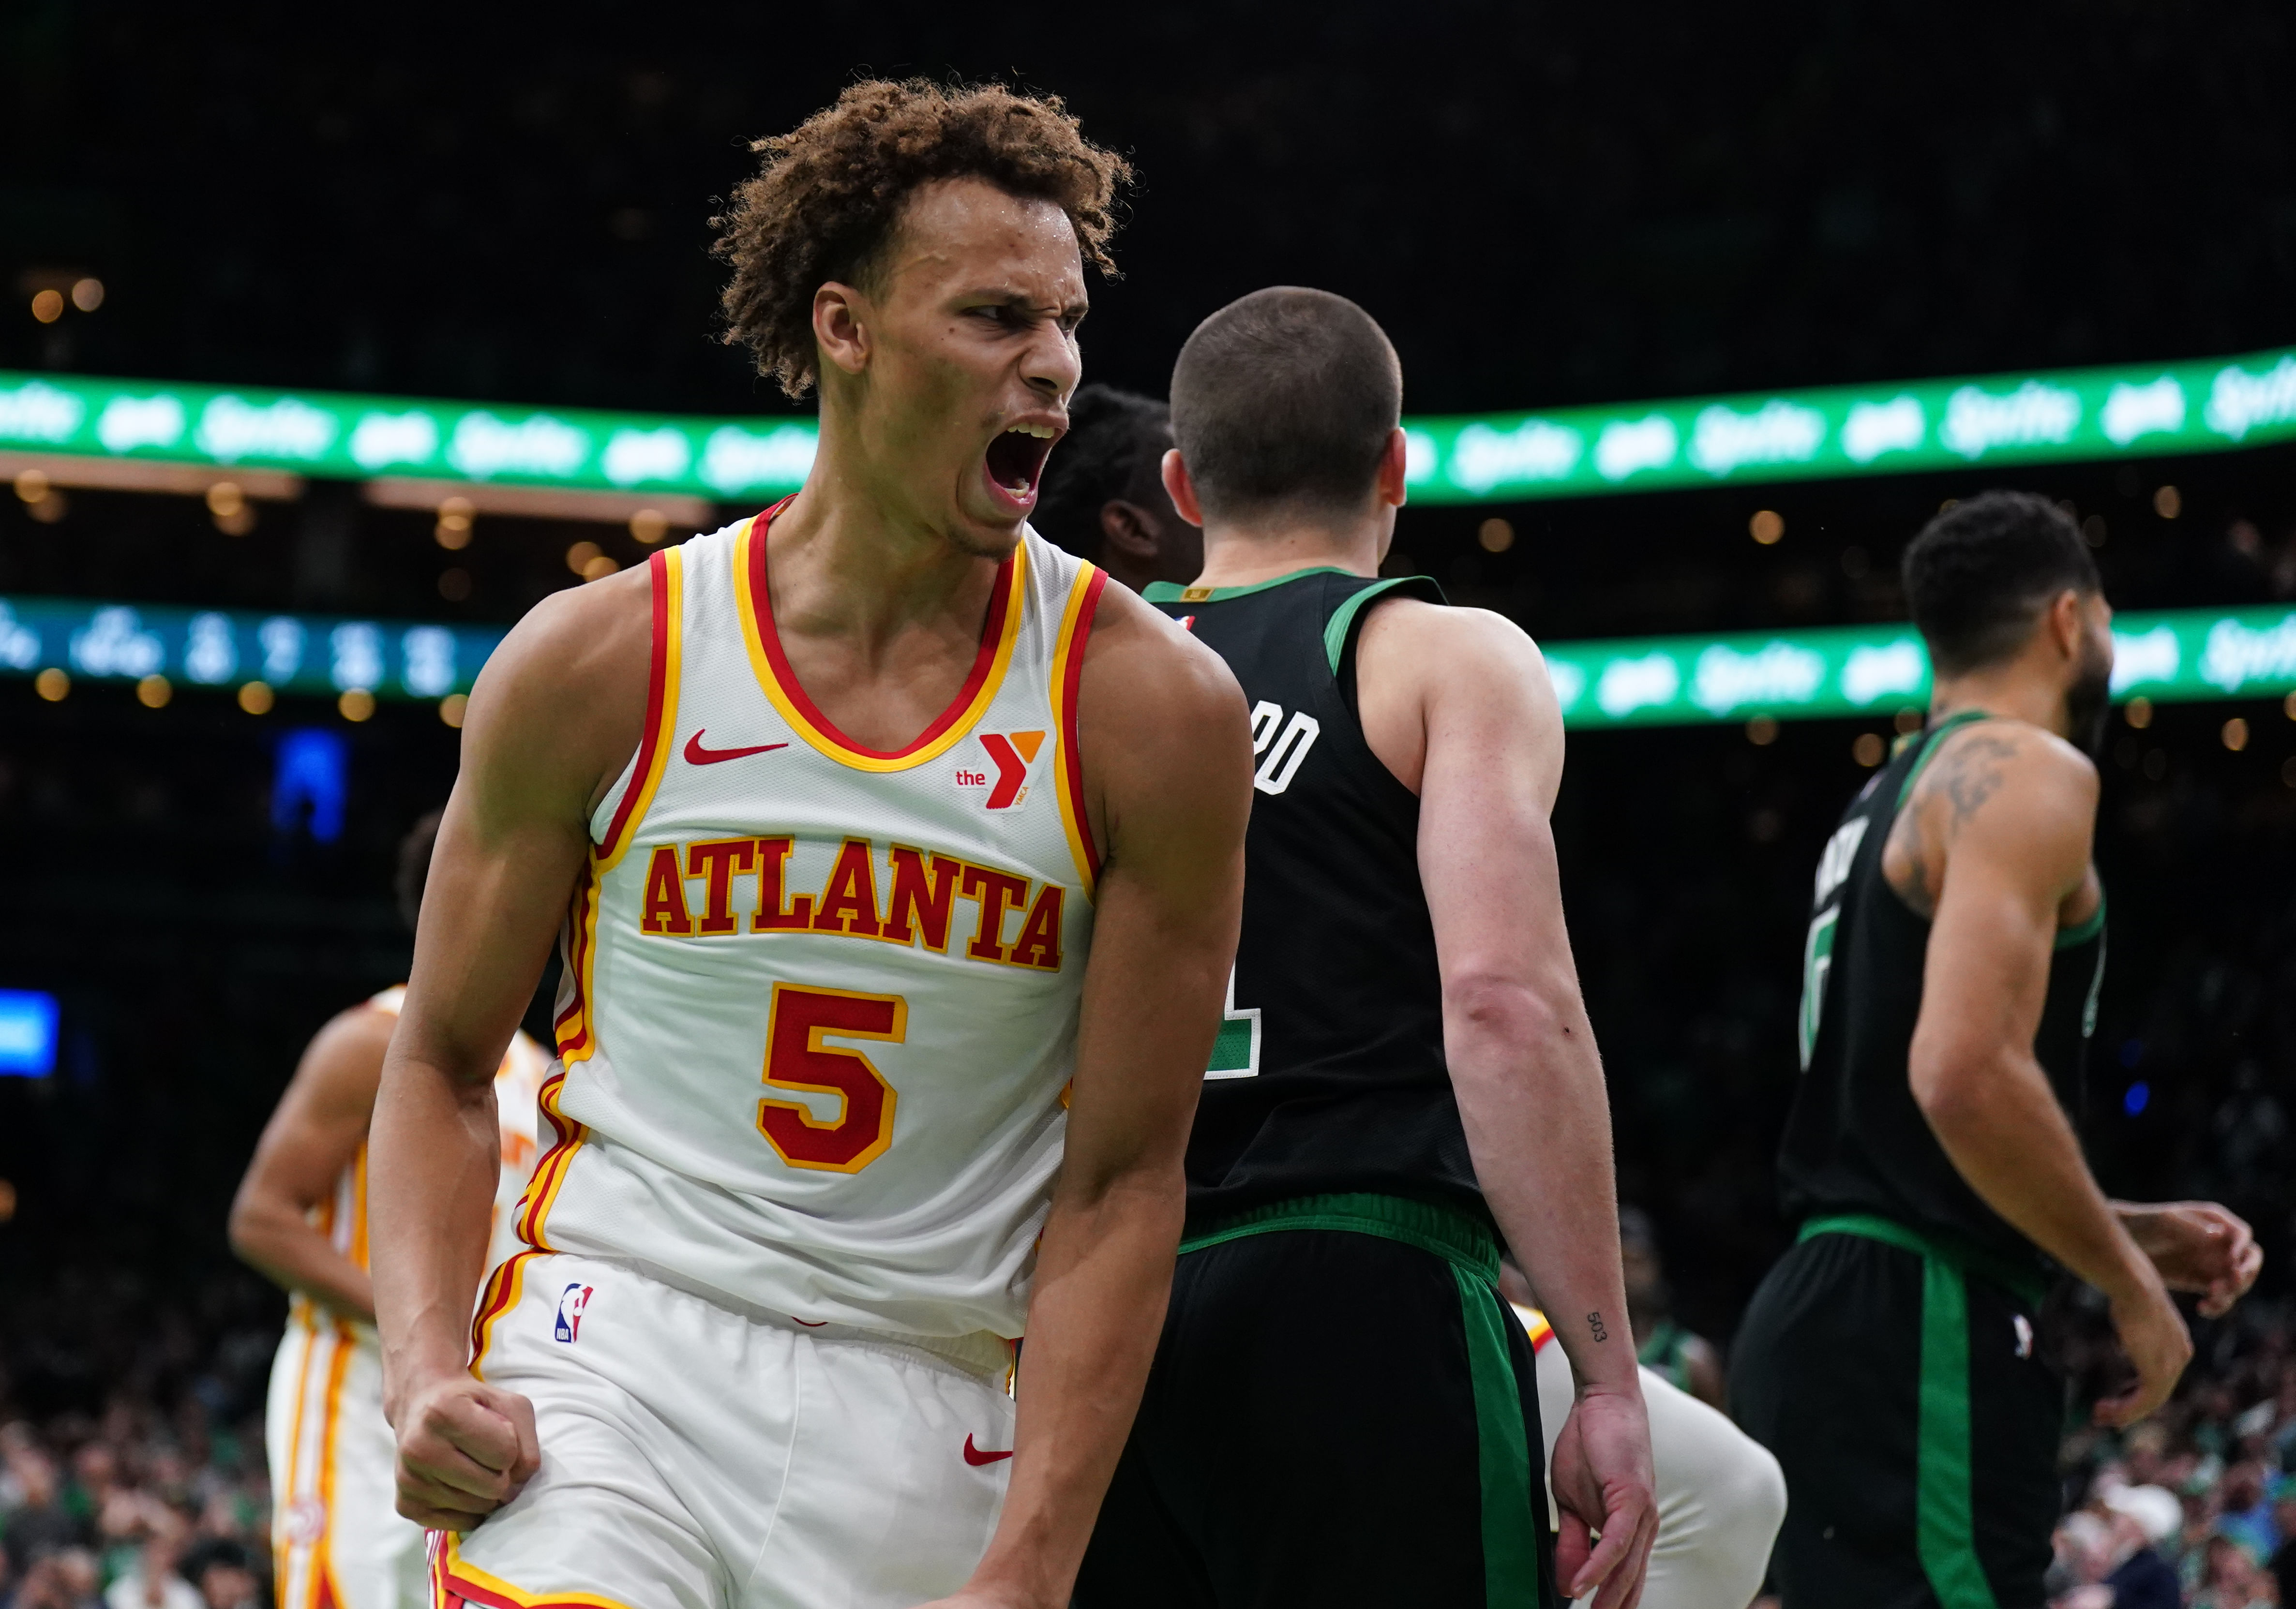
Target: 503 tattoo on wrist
[{"x": 1602, "y": 1331}]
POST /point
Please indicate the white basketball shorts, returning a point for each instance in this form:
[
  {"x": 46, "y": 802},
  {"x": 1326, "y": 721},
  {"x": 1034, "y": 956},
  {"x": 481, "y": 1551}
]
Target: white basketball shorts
[
  {"x": 695, "y": 1457},
  {"x": 337, "y": 1540},
  {"x": 1721, "y": 1495}
]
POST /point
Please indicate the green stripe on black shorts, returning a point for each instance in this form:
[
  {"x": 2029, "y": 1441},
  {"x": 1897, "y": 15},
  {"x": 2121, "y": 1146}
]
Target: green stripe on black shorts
[
  {"x": 1342, "y": 1413},
  {"x": 1906, "y": 1399}
]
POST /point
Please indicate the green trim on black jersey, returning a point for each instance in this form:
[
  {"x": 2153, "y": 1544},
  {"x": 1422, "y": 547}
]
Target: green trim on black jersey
[
  {"x": 1959, "y": 718},
  {"x": 1172, "y": 592},
  {"x": 1343, "y": 618},
  {"x": 2067, "y": 937}
]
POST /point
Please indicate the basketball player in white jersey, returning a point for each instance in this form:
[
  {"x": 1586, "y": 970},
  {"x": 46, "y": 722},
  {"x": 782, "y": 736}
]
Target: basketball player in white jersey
[
  {"x": 338, "y": 1540},
  {"x": 898, "y": 865}
]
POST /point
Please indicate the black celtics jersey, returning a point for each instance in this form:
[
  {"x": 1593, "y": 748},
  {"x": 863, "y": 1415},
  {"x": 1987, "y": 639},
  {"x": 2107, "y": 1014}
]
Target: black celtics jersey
[
  {"x": 1856, "y": 1140},
  {"x": 1328, "y": 1075}
]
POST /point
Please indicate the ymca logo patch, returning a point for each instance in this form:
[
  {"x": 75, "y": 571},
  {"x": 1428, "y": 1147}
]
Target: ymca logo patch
[
  {"x": 997, "y": 771},
  {"x": 571, "y": 1301}
]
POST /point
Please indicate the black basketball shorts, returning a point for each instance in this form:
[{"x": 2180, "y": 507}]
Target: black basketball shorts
[
  {"x": 1916, "y": 1422},
  {"x": 1341, "y": 1413}
]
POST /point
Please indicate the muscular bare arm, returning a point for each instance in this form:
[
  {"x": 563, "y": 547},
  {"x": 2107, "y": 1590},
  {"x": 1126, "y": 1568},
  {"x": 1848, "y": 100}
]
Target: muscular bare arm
[
  {"x": 2003, "y": 816},
  {"x": 552, "y": 720},
  {"x": 315, "y": 1131},
  {"x": 1168, "y": 755},
  {"x": 1457, "y": 704}
]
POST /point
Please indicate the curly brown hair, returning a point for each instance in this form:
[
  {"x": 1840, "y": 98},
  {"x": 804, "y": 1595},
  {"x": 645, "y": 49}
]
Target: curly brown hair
[{"x": 828, "y": 194}]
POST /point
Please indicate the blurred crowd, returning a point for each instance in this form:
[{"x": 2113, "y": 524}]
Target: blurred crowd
[
  {"x": 2197, "y": 1505},
  {"x": 131, "y": 1448},
  {"x": 132, "y": 1470}
]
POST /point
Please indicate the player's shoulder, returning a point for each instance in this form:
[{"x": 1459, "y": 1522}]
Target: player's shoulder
[
  {"x": 2001, "y": 753},
  {"x": 345, "y": 1057},
  {"x": 599, "y": 627},
  {"x": 1457, "y": 653},
  {"x": 1144, "y": 666},
  {"x": 1449, "y": 634}
]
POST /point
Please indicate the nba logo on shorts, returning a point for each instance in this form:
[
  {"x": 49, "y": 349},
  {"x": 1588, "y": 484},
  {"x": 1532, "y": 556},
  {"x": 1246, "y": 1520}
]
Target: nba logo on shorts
[
  {"x": 571, "y": 1301},
  {"x": 2024, "y": 1334}
]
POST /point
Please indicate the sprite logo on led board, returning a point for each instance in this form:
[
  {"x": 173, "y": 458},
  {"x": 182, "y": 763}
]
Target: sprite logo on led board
[{"x": 2207, "y": 405}]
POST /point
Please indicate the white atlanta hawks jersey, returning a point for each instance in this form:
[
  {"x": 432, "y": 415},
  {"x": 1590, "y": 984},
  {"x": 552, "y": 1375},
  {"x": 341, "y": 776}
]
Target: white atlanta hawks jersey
[{"x": 820, "y": 1001}]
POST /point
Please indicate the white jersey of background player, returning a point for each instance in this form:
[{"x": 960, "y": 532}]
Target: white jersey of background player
[
  {"x": 301, "y": 1218},
  {"x": 1721, "y": 1495},
  {"x": 897, "y": 867}
]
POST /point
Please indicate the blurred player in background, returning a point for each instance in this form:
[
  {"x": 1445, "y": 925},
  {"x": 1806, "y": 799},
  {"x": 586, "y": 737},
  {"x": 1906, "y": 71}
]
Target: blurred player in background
[
  {"x": 301, "y": 1218},
  {"x": 903, "y": 864},
  {"x": 1719, "y": 1494},
  {"x": 1104, "y": 496},
  {"x": 1683, "y": 1360},
  {"x": 1949, "y": 987}
]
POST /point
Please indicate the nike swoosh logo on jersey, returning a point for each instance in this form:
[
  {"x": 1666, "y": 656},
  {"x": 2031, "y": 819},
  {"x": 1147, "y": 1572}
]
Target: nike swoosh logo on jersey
[
  {"x": 976, "y": 1457},
  {"x": 695, "y": 755}
]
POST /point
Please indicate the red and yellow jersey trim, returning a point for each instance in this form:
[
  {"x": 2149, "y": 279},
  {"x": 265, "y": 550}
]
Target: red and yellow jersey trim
[
  {"x": 1535, "y": 1325},
  {"x": 550, "y": 1172},
  {"x": 1068, "y": 759},
  {"x": 357, "y": 1250},
  {"x": 454, "y": 1579},
  {"x": 571, "y": 1028},
  {"x": 753, "y": 596},
  {"x": 662, "y": 709},
  {"x": 501, "y": 1295}
]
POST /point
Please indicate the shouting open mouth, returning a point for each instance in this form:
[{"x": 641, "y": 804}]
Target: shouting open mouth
[{"x": 1015, "y": 461}]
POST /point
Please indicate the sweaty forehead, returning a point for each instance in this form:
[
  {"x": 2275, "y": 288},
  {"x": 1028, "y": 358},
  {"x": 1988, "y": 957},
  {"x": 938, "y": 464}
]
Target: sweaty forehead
[{"x": 966, "y": 233}]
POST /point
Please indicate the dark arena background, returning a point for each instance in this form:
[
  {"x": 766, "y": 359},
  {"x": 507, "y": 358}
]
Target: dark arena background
[{"x": 1566, "y": 210}]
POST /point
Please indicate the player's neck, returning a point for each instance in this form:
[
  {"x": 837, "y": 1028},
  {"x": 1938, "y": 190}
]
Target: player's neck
[
  {"x": 2013, "y": 690},
  {"x": 853, "y": 558},
  {"x": 1243, "y": 553}
]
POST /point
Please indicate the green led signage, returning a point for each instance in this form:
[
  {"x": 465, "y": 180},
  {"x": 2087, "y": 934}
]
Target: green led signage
[
  {"x": 1875, "y": 671},
  {"x": 2054, "y": 418},
  {"x": 2168, "y": 657}
]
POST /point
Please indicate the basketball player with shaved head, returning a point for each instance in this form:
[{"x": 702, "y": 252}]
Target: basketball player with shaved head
[
  {"x": 1950, "y": 982},
  {"x": 1343, "y": 1410},
  {"x": 896, "y": 867},
  {"x": 1719, "y": 1494}
]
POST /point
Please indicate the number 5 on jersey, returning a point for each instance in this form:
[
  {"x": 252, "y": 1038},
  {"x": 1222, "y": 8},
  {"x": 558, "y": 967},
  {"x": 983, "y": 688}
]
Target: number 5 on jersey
[{"x": 796, "y": 1023}]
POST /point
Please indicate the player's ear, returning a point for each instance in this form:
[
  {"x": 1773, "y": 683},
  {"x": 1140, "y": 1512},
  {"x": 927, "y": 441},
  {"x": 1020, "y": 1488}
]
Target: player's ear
[
  {"x": 1125, "y": 531},
  {"x": 1180, "y": 488},
  {"x": 840, "y": 330},
  {"x": 2064, "y": 625},
  {"x": 1395, "y": 468}
]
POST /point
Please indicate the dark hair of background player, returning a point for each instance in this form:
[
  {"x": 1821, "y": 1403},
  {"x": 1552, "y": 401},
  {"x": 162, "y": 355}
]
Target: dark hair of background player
[
  {"x": 1285, "y": 397},
  {"x": 828, "y": 194},
  {"x": 1116, "y": 441},
  {"x": 415, "y": 866},
  {"x": 1979, "y": 575}
]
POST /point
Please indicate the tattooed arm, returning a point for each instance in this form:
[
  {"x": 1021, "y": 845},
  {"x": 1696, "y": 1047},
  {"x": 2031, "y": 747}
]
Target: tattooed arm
[{"x": 1997, "y": 850}]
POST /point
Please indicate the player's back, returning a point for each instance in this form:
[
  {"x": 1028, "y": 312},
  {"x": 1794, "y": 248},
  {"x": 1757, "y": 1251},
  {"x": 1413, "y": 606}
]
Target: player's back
[
  {"x": 820, "y": 1001},
  {"x": 1329, "y": 1073},
  {"x": 1856, "y": 1140}
]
